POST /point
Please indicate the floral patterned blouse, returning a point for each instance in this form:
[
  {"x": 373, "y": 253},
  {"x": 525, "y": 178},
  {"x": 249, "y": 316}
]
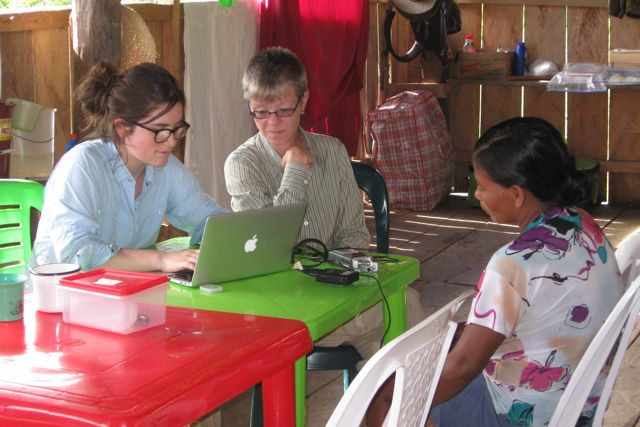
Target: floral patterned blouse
[{"x": 547, "y": 292}]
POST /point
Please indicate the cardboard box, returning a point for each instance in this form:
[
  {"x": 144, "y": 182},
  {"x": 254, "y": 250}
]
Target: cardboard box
[
  {"x": 484, "y": 65},
  {"x": 625, "y": 58}
]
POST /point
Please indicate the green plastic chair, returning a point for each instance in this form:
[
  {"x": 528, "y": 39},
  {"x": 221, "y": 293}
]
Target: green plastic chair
[
  {"x": 371, "y": 182},
  {"x": 17, "y": 198}
]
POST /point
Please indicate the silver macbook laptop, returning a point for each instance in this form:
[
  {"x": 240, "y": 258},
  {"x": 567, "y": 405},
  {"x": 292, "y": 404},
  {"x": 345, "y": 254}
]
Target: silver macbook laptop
[{"x": 245, "y": 244}]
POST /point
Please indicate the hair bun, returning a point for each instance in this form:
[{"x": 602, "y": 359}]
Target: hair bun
[
  {"x": 574, "y": 188},
  {"x": 93, "y": 90}
]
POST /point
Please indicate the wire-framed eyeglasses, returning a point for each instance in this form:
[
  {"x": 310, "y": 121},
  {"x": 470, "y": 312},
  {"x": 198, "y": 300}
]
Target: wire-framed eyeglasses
[
  {"x": 283, "y": 112},
  {"x": 161, "y": 135}
]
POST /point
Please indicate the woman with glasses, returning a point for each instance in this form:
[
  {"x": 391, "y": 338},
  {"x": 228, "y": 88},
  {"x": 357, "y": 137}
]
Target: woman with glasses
[
  {"x": 283, "y": 164},
  {"x": 107, "y": 197}
]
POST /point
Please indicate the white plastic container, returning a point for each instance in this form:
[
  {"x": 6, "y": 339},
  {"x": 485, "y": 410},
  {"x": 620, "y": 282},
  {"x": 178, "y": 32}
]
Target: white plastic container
[
  {"x": 32, "y": 155},
  {"x": 115, "y": 301},
  {"x": 25, "y": 114},
  {"x": 44, "y": 282}
]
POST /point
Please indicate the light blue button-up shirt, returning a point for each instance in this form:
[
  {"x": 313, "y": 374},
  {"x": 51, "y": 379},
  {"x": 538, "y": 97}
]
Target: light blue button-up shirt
[{"x": 90, "y": 210}]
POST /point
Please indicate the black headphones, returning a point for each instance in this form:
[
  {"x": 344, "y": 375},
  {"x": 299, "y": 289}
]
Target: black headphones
[{"x": 310, "y": 249}]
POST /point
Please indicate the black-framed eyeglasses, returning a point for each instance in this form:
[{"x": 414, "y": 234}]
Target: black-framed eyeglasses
[
  {"x": 161, "y": 135},
  {"x": 283, "y": 112}
]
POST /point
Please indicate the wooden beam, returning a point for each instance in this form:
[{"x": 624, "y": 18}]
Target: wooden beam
[
  {"x": 613, "y": 166},
  {"x": 59, "y": 17},
  {"x": 578, "y": 3},
  {"x": 620, "y": 166},
  {"x": 29, "y": 21},
  {"x": 153, "y": 12}
]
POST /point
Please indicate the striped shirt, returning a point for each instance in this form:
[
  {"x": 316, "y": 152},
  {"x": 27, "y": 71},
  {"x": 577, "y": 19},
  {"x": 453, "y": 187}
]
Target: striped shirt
[{"x": 335, "y": 213}]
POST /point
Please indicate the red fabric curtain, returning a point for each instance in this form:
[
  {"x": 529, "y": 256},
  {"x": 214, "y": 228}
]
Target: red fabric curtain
[{"x": 330, "y": 37}]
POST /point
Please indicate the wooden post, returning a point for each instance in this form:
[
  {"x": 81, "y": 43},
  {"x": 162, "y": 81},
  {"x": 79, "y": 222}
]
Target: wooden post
[
  {"x": 176, "y": 37},
  {"x": 95, "y": 36},
  {"x": 176, "y": 60}
]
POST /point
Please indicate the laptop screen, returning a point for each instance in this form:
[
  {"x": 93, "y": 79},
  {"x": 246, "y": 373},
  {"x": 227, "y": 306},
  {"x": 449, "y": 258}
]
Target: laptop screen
[{"x": 248, "y": 243}]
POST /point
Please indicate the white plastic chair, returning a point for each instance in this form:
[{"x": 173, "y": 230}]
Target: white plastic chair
[
  {"x": 416, "y": 357},
  {"x": 619, "y": 324},
  {"x": 627, "y": 252}
]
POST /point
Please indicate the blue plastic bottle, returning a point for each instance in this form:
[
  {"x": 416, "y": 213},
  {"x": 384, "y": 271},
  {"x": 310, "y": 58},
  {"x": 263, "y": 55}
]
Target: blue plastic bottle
[
  {"x": 521, "y": 60},
  {"x": 73, "y": 140}
]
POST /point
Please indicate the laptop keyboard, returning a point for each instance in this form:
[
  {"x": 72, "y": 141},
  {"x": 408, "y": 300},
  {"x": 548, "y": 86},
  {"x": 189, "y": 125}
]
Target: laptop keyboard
[{"x": 185, "y": 275}]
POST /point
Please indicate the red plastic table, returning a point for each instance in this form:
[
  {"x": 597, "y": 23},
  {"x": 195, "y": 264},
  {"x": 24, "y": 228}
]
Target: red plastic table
[{"x": 53, "y": 373}]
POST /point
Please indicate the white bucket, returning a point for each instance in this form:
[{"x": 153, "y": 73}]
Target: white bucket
[
  {"x": 32, "y": 155},
  {"x": 45, "y": 279},
  {"x": 25, "y": 114}
]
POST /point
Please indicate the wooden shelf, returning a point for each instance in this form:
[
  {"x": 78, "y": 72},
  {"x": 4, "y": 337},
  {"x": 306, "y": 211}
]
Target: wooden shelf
[
  {"x": 439, "y": 89},
  {"x": 577, "y": 3},
  {"x": 529, "y": 82},
  {"x": 506, "y": 82}
]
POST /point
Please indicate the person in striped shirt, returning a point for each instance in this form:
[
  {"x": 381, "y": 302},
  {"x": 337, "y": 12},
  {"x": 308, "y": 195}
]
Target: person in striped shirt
[{"x": 284, "y": 164}]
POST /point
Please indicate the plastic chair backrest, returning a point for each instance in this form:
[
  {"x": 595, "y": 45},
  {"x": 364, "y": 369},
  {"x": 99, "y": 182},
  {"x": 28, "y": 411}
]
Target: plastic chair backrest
[
  {"x": 17, "y": 197},
  {"x": 372, "y": 183},
  {"x": 626, "y": 254},
  {"x": 416, "y": 357},
  {"x": 617, "y": 328}
]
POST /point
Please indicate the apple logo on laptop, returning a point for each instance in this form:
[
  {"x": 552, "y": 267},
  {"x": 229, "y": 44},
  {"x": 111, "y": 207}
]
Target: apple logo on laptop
[{"x": 250, "y": 245}]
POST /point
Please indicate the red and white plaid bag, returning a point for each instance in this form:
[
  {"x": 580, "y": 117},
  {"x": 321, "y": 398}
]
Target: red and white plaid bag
[{"x": 411, "y": 149}]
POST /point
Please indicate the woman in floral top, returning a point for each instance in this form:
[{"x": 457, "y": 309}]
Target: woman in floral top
[{"x": 541, "y": 298}]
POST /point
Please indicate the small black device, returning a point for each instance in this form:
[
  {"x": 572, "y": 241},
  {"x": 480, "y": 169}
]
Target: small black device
[{"x": 333, "y": 275}]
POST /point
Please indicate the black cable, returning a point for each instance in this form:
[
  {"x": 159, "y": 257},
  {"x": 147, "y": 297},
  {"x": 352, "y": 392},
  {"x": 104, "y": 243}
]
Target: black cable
[
  {"x": 386, "y": 305},
  {"x": 33, "y": 140},
  {"x": 385, "y": 259},
  {"x": 304, "y": 250}
]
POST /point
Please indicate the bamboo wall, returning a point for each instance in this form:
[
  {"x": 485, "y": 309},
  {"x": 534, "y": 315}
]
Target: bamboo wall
[
  {"x": 36, "y": 49},
  {"x": 603, "y": 126}
]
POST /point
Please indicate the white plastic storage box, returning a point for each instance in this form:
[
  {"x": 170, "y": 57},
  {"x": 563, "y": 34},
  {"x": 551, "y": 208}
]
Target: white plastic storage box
[{"x": 116, "y": 301}]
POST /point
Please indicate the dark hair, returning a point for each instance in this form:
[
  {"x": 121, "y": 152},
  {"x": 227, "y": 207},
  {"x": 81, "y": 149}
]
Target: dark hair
[
  {"x": 105, "y": 95},
  {"x": 531, "y": 153},
  {"x": 269, "y": 71}
]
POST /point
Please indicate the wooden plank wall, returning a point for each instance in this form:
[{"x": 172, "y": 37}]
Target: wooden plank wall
[
  {"x": 35, "y": 66},
  {"x": 602, "y": 126},
  {"x": 35, "y": 49}
]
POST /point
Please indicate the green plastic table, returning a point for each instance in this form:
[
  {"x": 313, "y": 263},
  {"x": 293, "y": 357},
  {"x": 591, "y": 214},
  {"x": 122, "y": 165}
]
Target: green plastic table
[{"x": 322, "y": 307}]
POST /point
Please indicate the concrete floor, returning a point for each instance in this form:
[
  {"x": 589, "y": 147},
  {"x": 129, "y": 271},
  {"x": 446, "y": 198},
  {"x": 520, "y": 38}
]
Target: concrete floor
[{"x": 453, "y": 243}]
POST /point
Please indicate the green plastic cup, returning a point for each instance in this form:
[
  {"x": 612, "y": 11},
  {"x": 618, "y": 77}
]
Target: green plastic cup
[{"x": 11, "y": 296}]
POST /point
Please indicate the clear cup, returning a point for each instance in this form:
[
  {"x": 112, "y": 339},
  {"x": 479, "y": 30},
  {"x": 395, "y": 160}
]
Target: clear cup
[{"x": 44, "y": 280}]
